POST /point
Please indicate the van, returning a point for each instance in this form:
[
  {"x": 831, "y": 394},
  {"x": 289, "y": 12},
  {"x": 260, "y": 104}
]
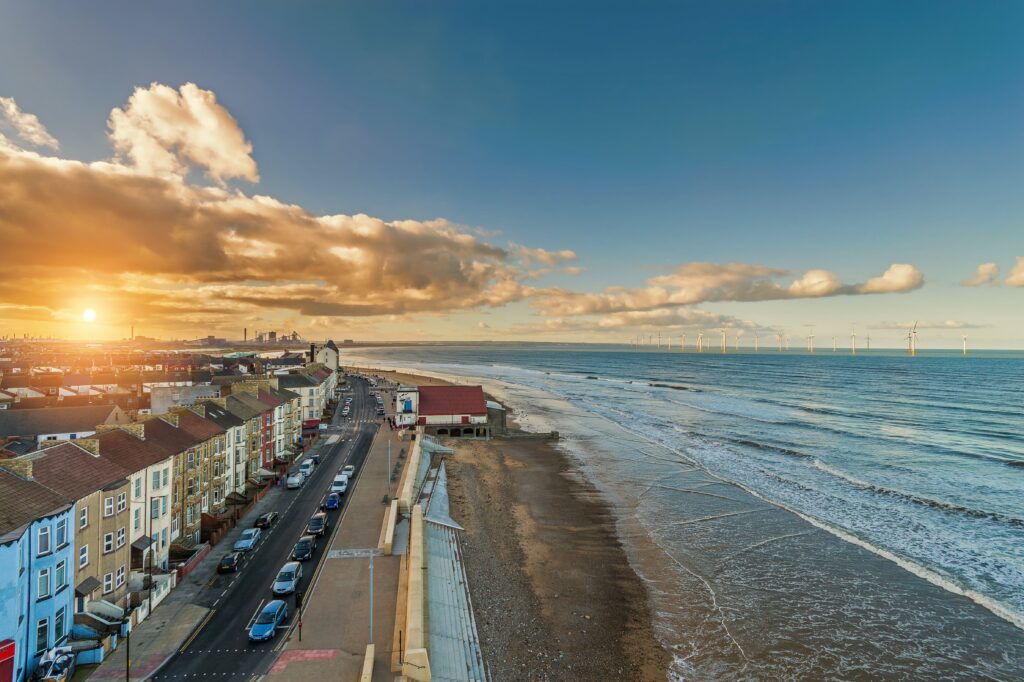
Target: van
[
  {"x": 306, "y": 467},
  {"x": 339, "y": 484},
  {"x": 295, "y": 480}
]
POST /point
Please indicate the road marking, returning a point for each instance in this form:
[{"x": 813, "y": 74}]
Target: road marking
[
  {"x": 198, "y": 630},
  {"x": 256, "y": 614},
  {"x": 354, "y": 553}
]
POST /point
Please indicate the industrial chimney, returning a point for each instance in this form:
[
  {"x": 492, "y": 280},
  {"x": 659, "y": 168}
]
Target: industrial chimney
[{"x": 312, "y": 352}]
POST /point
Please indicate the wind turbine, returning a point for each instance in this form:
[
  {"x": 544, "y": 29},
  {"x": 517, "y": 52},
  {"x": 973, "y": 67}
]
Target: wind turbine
[
  {"x": 833, "y": 343},
  {"x": 670, "y": 342},
  {"x": 738, "y": 335},
  {"x": 778, "y": 336},
  {"x": 868, "y": 342},
  {"x": 659, "y": 341},
  {"x": 700, "y": 340},
  {"x": 853, "y": 342},
  {"x": 965, "y": 345},
  {"x": 912, "y": 340},
  {"x": 724, "y": 341},
  {"x": 810, "y": 340},
  {"x": 682, "y": 343},
  {"x": 755, "y": 342}
]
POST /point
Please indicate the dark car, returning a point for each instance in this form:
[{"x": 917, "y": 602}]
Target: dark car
[
  {"x": 315, "y": 457},
  {"x": 317, "y": 524},
  {"x": 266, "y": 520},
  {"x": 332, "y": 501},
  {"x": 229, "y": 562},
  {"x": 304, "y": 548}
]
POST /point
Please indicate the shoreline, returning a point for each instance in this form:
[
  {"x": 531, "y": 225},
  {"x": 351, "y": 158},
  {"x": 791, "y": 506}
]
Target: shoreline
[{"x": 554, "y": 592}]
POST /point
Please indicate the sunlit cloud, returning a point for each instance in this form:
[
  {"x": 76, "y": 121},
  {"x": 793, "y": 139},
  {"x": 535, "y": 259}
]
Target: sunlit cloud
[
  {"x": 25, "y": 125},
  {"x": 1016, "y": 276},
  {"x": 693, "y": 283}
]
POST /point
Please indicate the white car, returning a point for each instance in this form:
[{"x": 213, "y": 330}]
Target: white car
[
  {"x": 307, "y": 467},
  {"x": 348, "y": 470},
  {"x": 288, "y": 578},
  {"x": 295, "y": 480},
  {"x": 339, "y": 484}
]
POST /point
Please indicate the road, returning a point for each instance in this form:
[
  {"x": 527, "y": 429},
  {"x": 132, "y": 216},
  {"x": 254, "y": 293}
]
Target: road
[{"x": 221, "y": 646}]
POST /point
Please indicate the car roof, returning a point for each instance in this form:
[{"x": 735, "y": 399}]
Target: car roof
[
  {"x": 273, "y": 605},
  {"x": 292, "y": 565},
  {"x": 250, "y": 531}
]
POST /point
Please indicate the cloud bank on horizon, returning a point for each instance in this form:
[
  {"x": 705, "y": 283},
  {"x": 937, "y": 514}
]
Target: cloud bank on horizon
[{"x": 140, "y": 233}]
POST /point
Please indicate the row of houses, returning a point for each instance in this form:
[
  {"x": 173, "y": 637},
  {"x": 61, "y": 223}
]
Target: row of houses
[{"x": 94, "y": 517}]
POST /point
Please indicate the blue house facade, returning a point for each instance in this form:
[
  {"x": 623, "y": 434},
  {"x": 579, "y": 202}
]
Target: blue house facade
[{"x": 37, "y": 550}]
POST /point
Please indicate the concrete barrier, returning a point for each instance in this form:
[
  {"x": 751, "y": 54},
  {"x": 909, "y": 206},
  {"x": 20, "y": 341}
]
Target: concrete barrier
[
  {"x": 367, "y": 675},
  {"x": 387, "y": 540},
  {"x": 416, "y": 663},
  {"x": 407, "y": 490}
]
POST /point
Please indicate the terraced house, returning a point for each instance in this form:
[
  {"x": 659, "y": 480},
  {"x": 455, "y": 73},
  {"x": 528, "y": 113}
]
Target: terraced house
[
  {"x": 100, "y": 491},
  {"x": 211, "y": 460},
  {"x": 252, "y": 416},
  {"x": 37, "y": 554}
]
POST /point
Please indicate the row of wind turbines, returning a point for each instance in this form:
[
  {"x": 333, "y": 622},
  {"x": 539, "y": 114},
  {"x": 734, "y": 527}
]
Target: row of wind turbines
[{"x": 642, "y": 342}]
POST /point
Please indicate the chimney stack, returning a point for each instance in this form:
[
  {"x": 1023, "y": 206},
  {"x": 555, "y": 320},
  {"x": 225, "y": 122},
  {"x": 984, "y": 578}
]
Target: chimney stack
[{"x": 312, "y": 352}]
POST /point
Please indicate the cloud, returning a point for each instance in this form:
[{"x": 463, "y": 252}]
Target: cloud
[
  {"x": 899, "y": 278},
  {"x": 137, "y": 235},
  {"x": 925, "y": 324},
  {"x": 27, "y": 126},
  {"x": 163, "y": 131},
  {"x": 693, "y": 283},
  {"x": 1016, "y": 276},
  {"x": 986, "y": 273},
  {"x": 573, "y": 269},
  {"x": 529, "y": 256}
]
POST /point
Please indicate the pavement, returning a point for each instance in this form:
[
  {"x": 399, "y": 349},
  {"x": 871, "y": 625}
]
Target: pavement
[
  {"x": 336, "y": 618},
  {"x": 209, "y": 612}
]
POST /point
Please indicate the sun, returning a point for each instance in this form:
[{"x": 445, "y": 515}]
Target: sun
[{"x": 89, "y": 315}]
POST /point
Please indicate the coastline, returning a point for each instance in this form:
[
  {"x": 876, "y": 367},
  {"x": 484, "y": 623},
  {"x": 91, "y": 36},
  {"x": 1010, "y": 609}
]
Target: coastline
[{"x": 554, "y": 593}]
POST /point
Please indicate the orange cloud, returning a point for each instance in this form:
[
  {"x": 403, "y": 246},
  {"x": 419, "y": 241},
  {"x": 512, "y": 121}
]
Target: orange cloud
[{"x": 139, "y": 236}]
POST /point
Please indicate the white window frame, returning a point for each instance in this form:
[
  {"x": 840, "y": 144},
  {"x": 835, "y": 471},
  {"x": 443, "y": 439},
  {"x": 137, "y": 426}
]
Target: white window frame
[
  {"x": 122, "y": 502},
  {"x": 137, "y": 483},
  {"x": 83, "y": 517},
  {"x": 108, "y": 506},
  {"x": 119, "y": 578},
  {"x": 44, "y": 532},
  {"x": 45, "y": 622},
  {"x": 108, "y": 543},
  {"x": 61, "y": 616},
  {"x": 120, "y": 537},
  {"x": 62, "y": 529},
  {"x": 60, "y": 581},
  {"x": 41, "y": 576},
  {"x": 137, "y": 518},
  {"x": 108, "y": 583},
  {"x": 83, "y": 556}
]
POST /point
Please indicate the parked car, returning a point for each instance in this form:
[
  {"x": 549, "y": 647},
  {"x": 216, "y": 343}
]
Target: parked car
[
  {"x": 339, "y": 484},
  {"x": 348, "y": 470},
  {"x": 317, "y": 524},
  {"x": 266, "y": 520},
  {"x": 288, "y": 578},
  {"x": 304, "y": 548},
  {"x": 229, "y": 562},
  {"x": 315, "y": 457},
  {"x": 273, "y": 615},
  {"x": 295, "y": 480},
  {"x": 250, "y": 536},
  {"x": 307, "y": 467},
  {"x": 332, "y": 501}
]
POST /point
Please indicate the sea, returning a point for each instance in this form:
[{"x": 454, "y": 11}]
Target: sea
[{"x": 795, "y": 516}]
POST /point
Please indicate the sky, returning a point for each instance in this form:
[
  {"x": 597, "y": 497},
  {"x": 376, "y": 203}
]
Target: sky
[{"x": 513, "y": 171}]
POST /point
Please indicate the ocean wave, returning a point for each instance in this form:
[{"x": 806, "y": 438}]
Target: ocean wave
[{"x": 920, "y": 499}]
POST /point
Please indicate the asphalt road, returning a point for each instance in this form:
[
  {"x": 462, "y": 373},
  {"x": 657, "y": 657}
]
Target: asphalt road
[{"x": 221, "y": 646}]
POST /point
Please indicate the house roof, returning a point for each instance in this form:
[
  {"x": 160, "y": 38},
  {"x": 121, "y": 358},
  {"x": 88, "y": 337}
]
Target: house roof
[
  {"x": 283, "y": 394},
  {"x": 439, "y": 400},
  {"x": 170, "y": 438},
  {"x": 222, "y": 415},
  {"x": 131, "y": 453},
  {"x": 295, "y": 381},
  {"x": 241, "y": 408},
  {"x": 73, "y": 472},
  {"x": 199, "y": 427},
  {"x": 251, "y": 401},
  {"x": 23, "y": 501},
  {"x": 266, "y": 397},
  {"x": 330, "y": 344},
  {"x": 33, "y": 422}
]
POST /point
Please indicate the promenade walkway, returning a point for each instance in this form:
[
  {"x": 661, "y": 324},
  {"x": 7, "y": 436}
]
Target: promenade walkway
[{"x": 336, "y": 612}]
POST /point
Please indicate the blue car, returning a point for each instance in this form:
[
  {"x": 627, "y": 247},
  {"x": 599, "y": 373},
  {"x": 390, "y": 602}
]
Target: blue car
[
  {"x": 250, "y": 536},
  {"x": 271, "y": 617},
  {"x": 332, "y": 501}
]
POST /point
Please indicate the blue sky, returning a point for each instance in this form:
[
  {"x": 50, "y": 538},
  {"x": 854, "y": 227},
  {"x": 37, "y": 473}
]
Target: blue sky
[{"x": 844, "y": 136}]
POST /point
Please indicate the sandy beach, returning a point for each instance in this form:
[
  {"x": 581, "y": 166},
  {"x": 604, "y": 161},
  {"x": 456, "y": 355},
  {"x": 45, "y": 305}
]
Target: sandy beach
[{"x": 553, "y": 592}]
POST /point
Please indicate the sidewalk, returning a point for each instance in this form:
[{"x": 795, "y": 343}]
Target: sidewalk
[
  {"x": 336, "y": 615},
  {"x": 158, "y": 638}
]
